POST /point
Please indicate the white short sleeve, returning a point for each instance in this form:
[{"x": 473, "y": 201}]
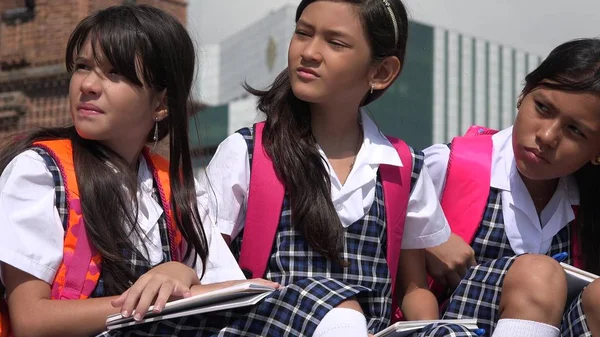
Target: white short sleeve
[
  {"x": 425, "y": 226},
  {"x": 31, "y": 232},
  {"x": 225, "y": 181},
  {"x": 436, "y": 161},
  {"x": 220, "y": 264}
]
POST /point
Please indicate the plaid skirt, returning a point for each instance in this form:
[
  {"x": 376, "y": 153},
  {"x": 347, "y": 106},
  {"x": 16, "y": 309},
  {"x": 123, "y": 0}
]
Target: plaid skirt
[
  {"x": 478, "y": 296},
  {"x": 294, "y": 310}
]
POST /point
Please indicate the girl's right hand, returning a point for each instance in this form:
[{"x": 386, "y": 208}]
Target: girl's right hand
[
  {"x": 157, "y": 286},
  {"x": 449, "y": 262}
]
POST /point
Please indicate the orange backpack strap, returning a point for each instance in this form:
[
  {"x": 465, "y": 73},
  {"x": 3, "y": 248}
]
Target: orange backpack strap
[
  {"x": 79, "y": 270},
  {"x": 159, "y": 167}
]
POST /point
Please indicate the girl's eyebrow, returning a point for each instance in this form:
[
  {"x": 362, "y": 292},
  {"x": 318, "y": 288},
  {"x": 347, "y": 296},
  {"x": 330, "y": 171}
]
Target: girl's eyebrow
[
  {"x": 329, "y": 32},
  {"x": 580, "y": 124}
]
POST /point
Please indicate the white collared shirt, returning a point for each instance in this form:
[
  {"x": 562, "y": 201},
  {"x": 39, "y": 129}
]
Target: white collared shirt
[
  {"x": 228, "y": 174},
  {"x": 31, "y": 231},
  {"x": 525, "y": 231}
]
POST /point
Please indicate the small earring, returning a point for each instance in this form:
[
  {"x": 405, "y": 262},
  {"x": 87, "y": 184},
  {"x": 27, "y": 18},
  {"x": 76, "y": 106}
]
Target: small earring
[
  {"x": 155, "y": 138},
  {"x": 596, "y": 161},
  {"x": 372, "y": 88}
]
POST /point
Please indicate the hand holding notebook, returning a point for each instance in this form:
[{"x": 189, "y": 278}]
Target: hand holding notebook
[{"x": 239, "y": 295}]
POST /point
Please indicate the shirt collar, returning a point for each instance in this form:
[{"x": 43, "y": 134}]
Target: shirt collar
[{"x": 376, "y": 148}]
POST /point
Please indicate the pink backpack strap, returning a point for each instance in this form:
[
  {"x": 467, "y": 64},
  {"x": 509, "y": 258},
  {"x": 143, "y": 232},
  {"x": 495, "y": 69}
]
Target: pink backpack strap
[
  {"x": 265, "y": 199},
  {"x": 468, "y": 181},
  {"x": 396, "y": 183}
]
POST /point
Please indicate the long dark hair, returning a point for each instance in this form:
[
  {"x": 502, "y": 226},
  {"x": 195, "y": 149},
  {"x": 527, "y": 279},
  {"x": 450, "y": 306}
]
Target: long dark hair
[
  {"x": 289, "y": 141},
  {"x": 575, "y": 66},
  {"x": 163, "y": 48}
]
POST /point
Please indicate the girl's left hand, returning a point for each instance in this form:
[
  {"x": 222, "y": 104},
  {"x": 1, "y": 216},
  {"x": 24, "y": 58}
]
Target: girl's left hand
[{"x": 160, "y": 283}]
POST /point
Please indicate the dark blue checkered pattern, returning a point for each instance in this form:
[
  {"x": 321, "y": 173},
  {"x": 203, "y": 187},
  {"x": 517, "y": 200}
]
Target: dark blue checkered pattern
[
  {"x": 312, "y": 284},
  {"x": 491, "y": 241},
  {"x": 478, "y": 295},
  {"x": 573, "y": 322},
  {"x": 59, "y": 186}
]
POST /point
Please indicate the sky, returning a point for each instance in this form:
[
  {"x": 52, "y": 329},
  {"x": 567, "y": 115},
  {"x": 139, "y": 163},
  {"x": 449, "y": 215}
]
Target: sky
[{"x": 535, "y": 26}]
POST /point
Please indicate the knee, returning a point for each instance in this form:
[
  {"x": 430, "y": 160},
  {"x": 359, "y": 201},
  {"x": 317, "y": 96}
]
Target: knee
[{"x": 531, "y": 279}]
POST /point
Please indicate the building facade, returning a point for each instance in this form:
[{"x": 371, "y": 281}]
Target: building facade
[
  {"x": 34, "y": 83},
  {"x": 449, "y": 81}
]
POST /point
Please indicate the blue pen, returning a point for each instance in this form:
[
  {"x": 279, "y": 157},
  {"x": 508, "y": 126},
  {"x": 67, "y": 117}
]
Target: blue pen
[
  {"x": 480, "y": 332},
  {"x": 560, "y": 257}
]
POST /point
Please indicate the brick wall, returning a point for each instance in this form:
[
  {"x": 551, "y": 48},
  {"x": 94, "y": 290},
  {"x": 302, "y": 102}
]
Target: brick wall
[{"x": 33, "y": 80}]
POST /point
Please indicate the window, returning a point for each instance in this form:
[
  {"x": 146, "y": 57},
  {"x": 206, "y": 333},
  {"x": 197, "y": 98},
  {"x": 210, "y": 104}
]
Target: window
[{"x": 20, "y": 14}]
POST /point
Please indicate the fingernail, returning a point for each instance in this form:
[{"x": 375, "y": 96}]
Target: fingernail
[
  {"x": 137, "y": 316},
  {"x": 157, "y": 308},
  {"x": 124, "y": 313},
  {"x": 480, "y": 332}
]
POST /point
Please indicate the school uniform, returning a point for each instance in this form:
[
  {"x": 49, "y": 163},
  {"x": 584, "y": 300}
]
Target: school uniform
[
  {"x": 33, "y": 216},
  {"x": 311, "y": 284},
  {"x": 510, "y": 226}
]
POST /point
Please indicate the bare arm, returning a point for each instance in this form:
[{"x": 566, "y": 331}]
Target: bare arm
[
  {"x": 34, "y": 313},
  {"x": 415, "y": 299}
]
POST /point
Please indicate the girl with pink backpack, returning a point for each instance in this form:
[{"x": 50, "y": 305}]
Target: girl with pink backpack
[{"x": 531, "y": 188}]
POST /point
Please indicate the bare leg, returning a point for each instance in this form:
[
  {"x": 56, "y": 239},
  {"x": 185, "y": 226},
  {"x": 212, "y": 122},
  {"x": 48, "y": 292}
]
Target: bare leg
[{"x": 534, "y": 294}]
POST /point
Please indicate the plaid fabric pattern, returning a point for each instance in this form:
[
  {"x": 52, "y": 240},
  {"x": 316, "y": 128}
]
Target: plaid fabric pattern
[
  {"x": 361, "y": 245},
  {"x": 478, "y": 295},
  {"x": 491, "y": 242},
  {"x": 139, "y": 264},
  {"x": 59, "y": 186},
  {"x": 573, "y": 322},
  {"x": 312, "y": 284},
  {"x": 418, "y": 160}
]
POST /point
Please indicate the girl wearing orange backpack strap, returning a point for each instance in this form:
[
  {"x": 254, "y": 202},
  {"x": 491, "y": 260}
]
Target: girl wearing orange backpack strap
[
  {"x": 92, "y": 222},
  {"x": 544, "y": 180}
]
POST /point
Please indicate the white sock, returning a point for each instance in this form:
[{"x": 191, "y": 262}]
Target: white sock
[
  {"x": 342, "y": 322},
  {"x": 509, "y": 327}
]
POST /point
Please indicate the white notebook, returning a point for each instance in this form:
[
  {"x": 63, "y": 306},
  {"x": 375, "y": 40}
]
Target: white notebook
[
  {"x": 406, "y": 328},
  {"x": 577, "y": 279},
  {"x": 239, "y": 295}
]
